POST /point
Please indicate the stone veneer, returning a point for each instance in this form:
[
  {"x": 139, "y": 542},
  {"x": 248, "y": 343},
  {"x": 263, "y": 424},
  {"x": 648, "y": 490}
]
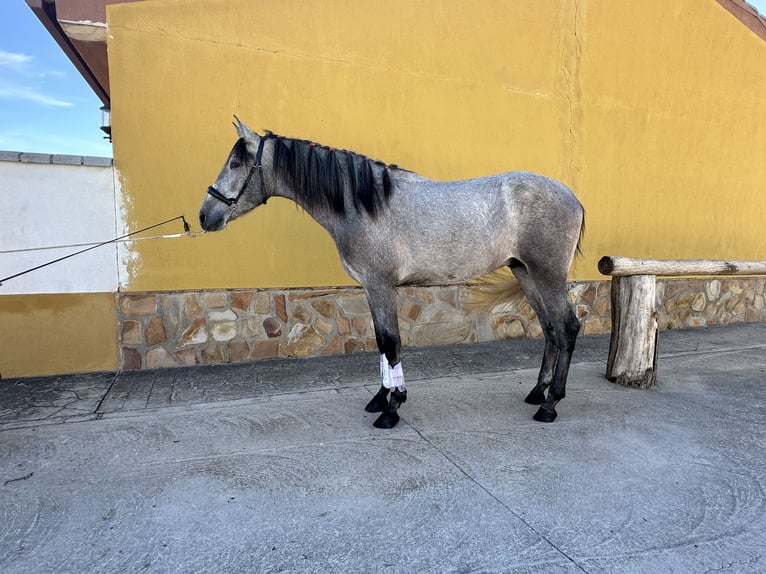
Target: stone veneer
[{"x": 163, "y": 329}]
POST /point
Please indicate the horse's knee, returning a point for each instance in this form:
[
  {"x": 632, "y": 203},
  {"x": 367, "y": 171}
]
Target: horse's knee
[{"x": 389, "y": 344}]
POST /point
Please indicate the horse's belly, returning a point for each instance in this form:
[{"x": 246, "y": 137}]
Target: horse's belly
[
  {"x": 449, "y": 274},
  {"x": 424, "y": 279}
]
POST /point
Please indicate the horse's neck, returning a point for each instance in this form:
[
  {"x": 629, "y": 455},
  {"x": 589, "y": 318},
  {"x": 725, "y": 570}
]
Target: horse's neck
[{"x": 325, "y": 217}]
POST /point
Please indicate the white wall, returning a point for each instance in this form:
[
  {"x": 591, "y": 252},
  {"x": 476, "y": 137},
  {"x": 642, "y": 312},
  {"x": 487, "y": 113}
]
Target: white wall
[{"x": 58, "y": 204}]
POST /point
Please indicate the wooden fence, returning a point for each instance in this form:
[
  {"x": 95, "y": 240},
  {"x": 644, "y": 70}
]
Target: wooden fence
[{"x": 633, "y": 344}]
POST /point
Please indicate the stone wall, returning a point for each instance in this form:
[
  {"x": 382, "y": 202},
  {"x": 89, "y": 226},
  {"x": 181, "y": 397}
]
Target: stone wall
[
  {"x": 711, "y": 302},
  {"x": 162, "y": 329}
]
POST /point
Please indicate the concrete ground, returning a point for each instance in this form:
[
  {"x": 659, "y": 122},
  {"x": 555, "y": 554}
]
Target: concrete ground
[{"x": 275, "y": 467}]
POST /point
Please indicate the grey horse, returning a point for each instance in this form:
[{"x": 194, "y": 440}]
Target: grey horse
[{"x": 393, "y": 227}]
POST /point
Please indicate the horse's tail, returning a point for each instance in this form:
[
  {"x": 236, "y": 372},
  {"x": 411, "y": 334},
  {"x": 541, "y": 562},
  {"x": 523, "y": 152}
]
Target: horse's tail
[
  {"x": 498, "y": 288},
  {"x": 578, "y": 247}
]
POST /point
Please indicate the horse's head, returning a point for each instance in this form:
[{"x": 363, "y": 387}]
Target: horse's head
[{"x": 240, "y": 185}]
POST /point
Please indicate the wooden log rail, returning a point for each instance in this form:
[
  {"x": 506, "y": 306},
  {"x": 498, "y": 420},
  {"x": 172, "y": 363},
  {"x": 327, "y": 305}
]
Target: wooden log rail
[
  {"x": 625, "y": 266},
  {"x": 633, "y": 344}
]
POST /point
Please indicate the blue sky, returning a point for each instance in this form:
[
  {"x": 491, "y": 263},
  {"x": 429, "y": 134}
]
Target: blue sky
[{"x": 45, "y": 105}]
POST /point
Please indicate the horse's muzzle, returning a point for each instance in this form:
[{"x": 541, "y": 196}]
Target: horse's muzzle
[{"x": 211, "y": 221}]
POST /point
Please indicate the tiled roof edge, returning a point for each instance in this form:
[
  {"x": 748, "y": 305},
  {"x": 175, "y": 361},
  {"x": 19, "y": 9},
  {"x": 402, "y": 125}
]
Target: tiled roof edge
[
  {"x": 746, "y": 14},
  {"x": 57, "y": 159}
]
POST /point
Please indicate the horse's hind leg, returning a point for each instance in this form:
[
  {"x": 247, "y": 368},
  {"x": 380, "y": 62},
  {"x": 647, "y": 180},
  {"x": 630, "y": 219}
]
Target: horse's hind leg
[
  {"x": 547, "y": 294},
  {"x": 382, "y": 300},
  {"x": 537, "y": 395},
  {"x": 565, "y": 328}
]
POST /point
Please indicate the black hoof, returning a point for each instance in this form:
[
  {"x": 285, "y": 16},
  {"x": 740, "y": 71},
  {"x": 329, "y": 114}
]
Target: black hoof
[
  {"x": 377, "y": 404},
  {"x": 545, "y": 416},
  {"x": 386, "y": 421},
  {"x": 536, "y": 397}
]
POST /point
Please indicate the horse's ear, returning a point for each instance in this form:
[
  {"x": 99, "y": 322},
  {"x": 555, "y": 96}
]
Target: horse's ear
[{"x": 242, "y": 130}]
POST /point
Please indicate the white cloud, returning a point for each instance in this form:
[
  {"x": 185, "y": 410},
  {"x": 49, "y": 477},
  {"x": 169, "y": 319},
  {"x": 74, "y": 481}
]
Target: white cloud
[
  {"x": 25, "y": 65},
  {"x": 14, "y": 60},
  {"x": 17, "y": 66},
  {"x": 31, "y": 95}
]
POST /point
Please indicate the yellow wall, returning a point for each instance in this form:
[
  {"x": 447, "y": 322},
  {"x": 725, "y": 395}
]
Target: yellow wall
[
  {"x": 650, "y": 110},
  {"x": 53, "y": 334},
  {"x": 672, "y": 132}
]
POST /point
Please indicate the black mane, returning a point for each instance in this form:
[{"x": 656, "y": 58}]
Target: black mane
[{"x": 317, "y": 174}]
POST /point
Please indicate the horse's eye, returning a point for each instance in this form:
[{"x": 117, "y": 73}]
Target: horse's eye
[{"x": 234, "y": 164}]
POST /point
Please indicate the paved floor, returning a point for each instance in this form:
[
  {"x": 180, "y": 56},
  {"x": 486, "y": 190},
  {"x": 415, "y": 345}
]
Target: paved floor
[{"x": 275, "y": 467}]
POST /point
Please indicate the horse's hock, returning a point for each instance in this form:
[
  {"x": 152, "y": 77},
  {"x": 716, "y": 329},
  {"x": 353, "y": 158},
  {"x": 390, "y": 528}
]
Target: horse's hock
[{"x": 633, "y": 344}]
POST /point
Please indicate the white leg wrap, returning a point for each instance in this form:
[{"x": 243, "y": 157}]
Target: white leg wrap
[
  {"x": 384, "y": 372},
  {"x": 393, "y": 377},
  {"x": 397, "y": 377}
]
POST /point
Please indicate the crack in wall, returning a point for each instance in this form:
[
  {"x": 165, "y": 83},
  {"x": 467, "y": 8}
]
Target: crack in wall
[
  {"x": 381, "y": 66},
  {"x": 571, "y": 59}
]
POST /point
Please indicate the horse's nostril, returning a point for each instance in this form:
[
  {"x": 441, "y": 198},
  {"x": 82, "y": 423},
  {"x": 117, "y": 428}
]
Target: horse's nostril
[{"x": 202, "y": 219}]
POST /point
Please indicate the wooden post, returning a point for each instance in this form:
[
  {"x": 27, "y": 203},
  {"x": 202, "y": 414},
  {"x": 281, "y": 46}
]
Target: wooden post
[{"x": 633, "y": 344}]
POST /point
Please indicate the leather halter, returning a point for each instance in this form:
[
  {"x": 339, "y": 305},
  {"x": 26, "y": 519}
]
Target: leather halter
[{"x": 257, "y": 166}]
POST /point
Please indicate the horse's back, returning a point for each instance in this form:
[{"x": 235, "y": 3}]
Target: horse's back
[
  {"x": 511, "y": 185},
  {"x": 447, "y": 232},
  {"x": 493, "y": 203}
]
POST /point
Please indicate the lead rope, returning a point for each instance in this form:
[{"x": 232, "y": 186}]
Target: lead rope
[{"x": 187, "y": 231}]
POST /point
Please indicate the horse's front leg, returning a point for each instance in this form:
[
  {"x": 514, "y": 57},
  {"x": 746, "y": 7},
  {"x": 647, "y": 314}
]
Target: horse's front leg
[{"x": 382, "y": 300}]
